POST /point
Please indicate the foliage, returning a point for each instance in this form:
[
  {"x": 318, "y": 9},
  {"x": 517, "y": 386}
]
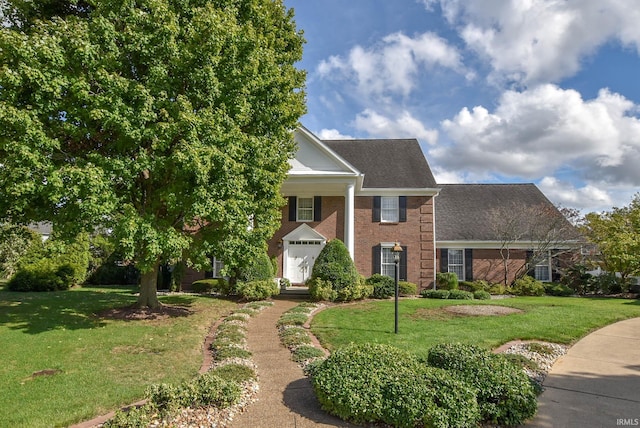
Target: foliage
[
  {"x": 15, "y": 242},
  {"x": 238, "y": 373},
  {"x": 527, "y": 286},
  {"x": 606, "y": 283},
  {"x": 555, "y": 289},
  {"x": 259, "y": 268},
  {"x": 407, "y": 288},
  {"x": 294, "y": 336},
  {"x": 134, "y": 417},
  {"x": 306, "y": 352},
  {"x": 383, "y": 286},
  {"x": 435, "y": 294},
  {"x": 505, "y": 393},
  {"x": 446, "y": 280},
  {"x": 208, "y": 285},
  {"x": 42, "y": 277},
  {"x": 292, "y": 319},
  {"x": 153, "y": 120},
  {"x": 285, "y": 283},
  {"x": 460, "y": 295},
  {"x": 207, "y": 389},
  {"x": 577, "y": 278},
  {"x": 335, "y": 268},
  {"x": 368, "y": 383},
  {"x": 258, "y": 290},
  {"x": 481, "y": 295},
  {"x": 615, "y": 233}
]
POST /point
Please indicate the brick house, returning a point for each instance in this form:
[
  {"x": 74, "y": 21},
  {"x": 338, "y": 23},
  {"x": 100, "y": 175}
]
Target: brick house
[{"x": 371, "y": 194}]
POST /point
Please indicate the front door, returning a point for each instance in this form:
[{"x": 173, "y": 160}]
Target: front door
[{"x": 300, "y": 259}]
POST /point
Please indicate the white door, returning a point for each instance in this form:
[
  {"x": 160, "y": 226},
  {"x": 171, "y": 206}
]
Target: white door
[{"x": 300, "y": 259}]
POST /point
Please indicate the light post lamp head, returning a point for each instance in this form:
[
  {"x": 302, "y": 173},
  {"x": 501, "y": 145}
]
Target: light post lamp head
[{"x": 396, "y": 250}]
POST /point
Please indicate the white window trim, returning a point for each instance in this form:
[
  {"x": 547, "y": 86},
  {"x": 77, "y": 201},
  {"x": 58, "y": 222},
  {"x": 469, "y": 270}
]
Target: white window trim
[
  {"x": 396, "y": 218},
  {"x": 547, "y": 264},
  {"x": 298, "y": 219},
  {"x": 383, "y": 265},
  {"x": 216, "y": 266},
  {"x": 463, "y": 264}
]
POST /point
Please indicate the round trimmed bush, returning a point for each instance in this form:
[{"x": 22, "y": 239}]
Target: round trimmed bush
[
  {"x": 527, "y": 286},
  {"x": 460, "y": 295},
  {"x": 435, "y": 294},
  {"x": 446, "y": 280},
  {"x": 335, "y": 267},
  {"x": 505, "y": 394},
  {"x": 380, "y": 383},
  {"x": 258, "y": 290},
  {"x": 407, "y": 288},
  {"x": 383, "y": 286},
  {"x": 481, "y": 295}
]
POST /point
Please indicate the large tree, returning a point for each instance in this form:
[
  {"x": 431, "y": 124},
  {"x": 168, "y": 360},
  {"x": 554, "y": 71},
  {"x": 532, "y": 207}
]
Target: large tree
[
  {"x": 616, "y": 234},
  {"x": 166, "y": 122}
]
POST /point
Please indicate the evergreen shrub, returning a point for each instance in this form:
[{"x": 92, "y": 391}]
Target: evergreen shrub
[
  {"x": 435, "y": 294},
  {"x": 446, "y": 280},
  {"x": 383, "y": 286},
  {"x": 505, "y": 394},
  {"x": 258, "y": 290},
  {"x": 335, "y": 267},
  {"x": 527, "y": 286},
  {"x": 407, "y": 288}
]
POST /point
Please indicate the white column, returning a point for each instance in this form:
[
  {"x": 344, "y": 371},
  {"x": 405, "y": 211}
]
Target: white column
[{"x": 349, "y": 220}]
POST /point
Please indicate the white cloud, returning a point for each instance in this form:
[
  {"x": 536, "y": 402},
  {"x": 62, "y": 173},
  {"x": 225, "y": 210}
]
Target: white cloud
[
  {"x": 544, "y": 40},
  {"x": 392, "y": 67},
  {"x": 332, "y": 134},
  {"x": 534, "y": 133},
  {"x": 568, "y": 195},
  {"x": 402, "y": 126}
]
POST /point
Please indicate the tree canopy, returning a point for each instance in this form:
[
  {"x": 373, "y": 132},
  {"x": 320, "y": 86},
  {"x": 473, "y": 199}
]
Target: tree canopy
[
  {"x": 616, "y": 234},
  {"x": 166, "y": 122}
]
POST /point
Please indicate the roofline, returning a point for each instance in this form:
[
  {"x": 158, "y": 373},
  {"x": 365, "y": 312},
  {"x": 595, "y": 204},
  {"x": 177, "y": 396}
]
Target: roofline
[
  {"x": 518, "y": 245},
  {"x": 395, "y": 191},
  {"x": 328, "y": 150}
]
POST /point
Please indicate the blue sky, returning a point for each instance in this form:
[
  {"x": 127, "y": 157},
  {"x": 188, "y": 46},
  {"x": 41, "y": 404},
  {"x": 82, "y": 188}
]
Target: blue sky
[{"x": 540, "y": 91}]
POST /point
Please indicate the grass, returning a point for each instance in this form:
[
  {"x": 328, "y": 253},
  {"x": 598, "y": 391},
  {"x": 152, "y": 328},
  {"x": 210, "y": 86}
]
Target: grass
[
  {"x": 103, "y": 363},
  {"x": 423, "y": 323}
]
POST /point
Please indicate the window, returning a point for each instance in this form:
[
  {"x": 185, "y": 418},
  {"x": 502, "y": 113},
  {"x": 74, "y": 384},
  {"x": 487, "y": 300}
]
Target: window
[
  {"x": 305, "y": 209},
  {"x": 387, "y": 263},
  {"x": 541, "y": 270},
  {"x": 389, "y": 209},
  {"x": 455, "y": 263},
  {"x": 216, "y": 267}
]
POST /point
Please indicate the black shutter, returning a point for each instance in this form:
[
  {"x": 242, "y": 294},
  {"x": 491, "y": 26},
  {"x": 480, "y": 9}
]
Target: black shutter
[
  {"x": 402, "y": 204},
  {"x": 403, "y": 264},
  {"x": 468, "y": 264},
  {"x": 317, "y": 208},
  {"x": 293, "y": 208},
  {"x": 444, "y": 260},
  {"x": 376, "y": 209},
  {"x": 376, "y": 259}
]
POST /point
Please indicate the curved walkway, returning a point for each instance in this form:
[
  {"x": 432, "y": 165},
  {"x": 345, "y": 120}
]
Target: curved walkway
[
  {"x": 286, "y": 398},
  {"x": 597, "y": 383}
]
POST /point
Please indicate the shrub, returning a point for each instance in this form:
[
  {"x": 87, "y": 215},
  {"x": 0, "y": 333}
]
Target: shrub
[
  {"x": 258, "y": 290},
  {"x": 446, "y": 280},
  {"x": 505, "y": 394},
  {"x": 41, "y": 277},
  {"x": 15, "y": 243},
  {"x": 383, "y": 286},
  {"x": 407, "y": 288},
  {"x": 221, "y": 353},
  {"x": 368, "y": 383},
  {"x": 555, "y": 289},
  {"x": 605, "y": 283},
  {"x": 527, "y": 286},
  {"x": 577, "y": 278},
  {"x": 207, "y": 389},
  {"x": 294, "y": 336},
  {"x": 497, "y": 289},
  {"x": 292, "y": 319},
  {"x": 259, "y": 268},
  {"x": 207, "y": 285},
  {"x": 481, "y": 295},
  {"x": 435, "y": 294},
  {"x": 334, "y": 265},
  {"x": 319, "y": 289},
  {"x": 460, "y": 295},
  {"x": 134, "y": 417}
]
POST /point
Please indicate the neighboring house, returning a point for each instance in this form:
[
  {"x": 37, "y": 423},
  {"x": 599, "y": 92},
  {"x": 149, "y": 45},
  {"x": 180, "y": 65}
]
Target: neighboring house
[{"x": 373, "y": 193}]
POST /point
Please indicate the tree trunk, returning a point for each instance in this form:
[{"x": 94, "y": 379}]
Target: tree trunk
[{"x": 148, "y": 289}]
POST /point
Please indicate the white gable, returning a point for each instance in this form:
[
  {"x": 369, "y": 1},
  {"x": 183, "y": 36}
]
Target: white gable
[
  {"x": 313, "y": 157},
  {"x": 303, "y": 233}
]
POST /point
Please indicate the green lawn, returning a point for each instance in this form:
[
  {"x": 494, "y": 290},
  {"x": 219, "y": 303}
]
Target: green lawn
[
  {"x": 103, "y": 363},
  {"x": 423, "y": 322}
]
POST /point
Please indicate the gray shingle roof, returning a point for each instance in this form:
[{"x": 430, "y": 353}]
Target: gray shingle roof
[
  {"x": 467, "y": 212},
  {"x": 386, "y": 163}
]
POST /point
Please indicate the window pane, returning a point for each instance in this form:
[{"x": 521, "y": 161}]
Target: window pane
[
  {"x": 387, "y": 266},
  {"x": 456, "y": 263},
  {"x": 542, "y": 273},
  {"x": 305, "y": 209},
  {"x": 389, "y": 209}
]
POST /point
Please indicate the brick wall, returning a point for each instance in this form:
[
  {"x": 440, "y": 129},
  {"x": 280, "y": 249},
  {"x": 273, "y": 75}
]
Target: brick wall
[
  {"x": 488, "y": 264},
  {"x": 416, "y": 234}
]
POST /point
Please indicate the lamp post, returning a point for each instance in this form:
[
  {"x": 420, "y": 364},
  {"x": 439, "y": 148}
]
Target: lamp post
[{"x": 396, "y": 250}]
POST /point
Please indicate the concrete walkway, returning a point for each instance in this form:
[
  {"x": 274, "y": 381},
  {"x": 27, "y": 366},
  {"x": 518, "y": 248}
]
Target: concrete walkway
[
  {"x": 597, "y": 383},
  {"x": 286, "y": 398}
]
